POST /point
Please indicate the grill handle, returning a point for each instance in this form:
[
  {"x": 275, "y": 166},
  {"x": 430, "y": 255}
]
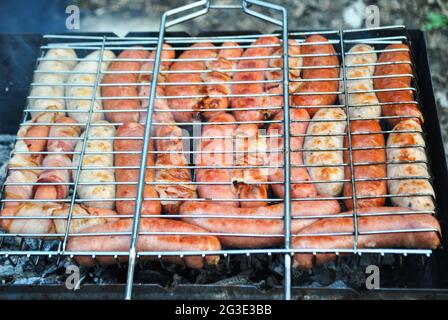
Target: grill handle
[{"x": 189, "y": 12}]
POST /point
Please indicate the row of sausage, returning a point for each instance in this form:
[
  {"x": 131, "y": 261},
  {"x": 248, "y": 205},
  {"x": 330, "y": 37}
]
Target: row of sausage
[
  {"x": 206, "y": 79},
  {"x": 250, "y": 185},
  {"x": 308, "y": 211},
  {"x": 323, "y": 169}
]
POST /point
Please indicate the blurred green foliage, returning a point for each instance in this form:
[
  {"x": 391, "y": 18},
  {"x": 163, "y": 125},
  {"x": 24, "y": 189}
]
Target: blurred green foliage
[{"x": 435, "y": 21}]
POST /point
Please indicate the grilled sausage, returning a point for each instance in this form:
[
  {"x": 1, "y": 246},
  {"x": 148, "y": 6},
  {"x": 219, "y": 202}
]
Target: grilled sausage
[
  {"x": 254, "y": 87},
  {"x": 116, "y": 77},
  {"x": 27, "y": 152},
  {"x": 131, "y": 175},
  {"x": 52, "y": 70},
  {"x": 372, "y": 151},
  {"x": 37, "y": 132},
  {"x": 169, "y": 242},
  {"x": 406, "y": 163},
  {"x": 329, "y": 69},
  {"x": 40, "y": 224},
  {"x": 398, "y": 103},
  {"x": 362, "y": 104},
  {"x": 298, "y": 174},
  {"x": 81, "y": 85},
  {"x": 144, "y": 90},
  {"x": 82, "y": 218},
  {"x": 21, "y": 160},
  {"x": 62, "y": 176},
  {"x": 68, "y": 135},
  {"x": 274, "y": 88},
  {"x": 326, "y": 136},
  {"x": 376, "y": 231},
  {"x": 266, "y": 229},
  {"x": 19, "y": 192},
  {"x": 193, "y": 92},
  {"x": 54, "y": 160},
  {"x": 169, "y": 172},
  {"x": 251, "y": 183},
  {"x": 220, "y": 77},
  {"x": 217, "y": 152},
  {"x": 99, "y": 139}
]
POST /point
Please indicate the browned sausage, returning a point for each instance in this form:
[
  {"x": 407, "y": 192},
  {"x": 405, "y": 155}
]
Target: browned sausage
[
  {"x": 131, "y": 175},
  {"x": 217, "y": 152},
  {"x": 255, "y": 226},
  {"x": 62, "y": 175},
  {"x": 19, "y": 192},
  {"x": 367, "y": 224},
  {"x": 52, "y": 192},
  {"x": 170, "y": 175},
  {"x": 192, "y": 104},
  {"x": 144, "y": 91},
  {"x": 24, "y": 192},
  {"x": 304, "y": 99},
  {"x": 401, "y": 64},
  {"x": 146, "y": 242},
  {"x": 68, "y": 131},
  {"x": 298, "y": 174},
  {"x": 274, "y": 90},
  {"x": 250, "y": 150},
  {"x": 218, "y": 73},
  {"x": 375, "y": 153},
  {"x": 35, "y": 145},
  {"x": 253, "y": 90},
  {"x": 125, "y": 90}
]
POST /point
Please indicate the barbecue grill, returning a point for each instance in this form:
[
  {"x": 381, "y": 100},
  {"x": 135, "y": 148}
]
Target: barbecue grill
[{"x": 405, "y": 272}]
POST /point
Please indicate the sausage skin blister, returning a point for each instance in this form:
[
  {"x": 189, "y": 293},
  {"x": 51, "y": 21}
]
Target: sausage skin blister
[
  {"x": 398, "y": 103},
  {"x": 264, "y": 227},
  {"x": 81, "y": 85},
  {"x": 99, "y": 139},
  {"x": 323, "y": 135},
  {"x": 373, "y": 151},
  {"x": 220, "y": 74},
  {"x": 325, "y": 56},
  {"x": 169, "y": 163},
  {"x": 274, "y": 89},
  {"x": 406, "y": 163},
  {"x": 191, "y": 103},
  {"x": 170, "y": 243},
  {"x": 382, "y": 225},
  {"x": 131, "y": 175},
  {"x": 214, "y": 151},
  {"x": 368, "y": 103},
  {"x": 251, "y": 150}
]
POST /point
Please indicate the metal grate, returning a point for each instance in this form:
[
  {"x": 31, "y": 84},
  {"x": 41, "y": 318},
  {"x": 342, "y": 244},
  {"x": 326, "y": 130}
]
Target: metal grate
[{"x": 83, "y": 45}]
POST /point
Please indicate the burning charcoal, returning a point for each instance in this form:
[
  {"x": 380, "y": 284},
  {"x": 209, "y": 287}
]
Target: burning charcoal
[
  {"x": 277, "y": 266},
  {"x": 151, "y": 276},
  {"x": 177, "y": 280},
  {"x": 273, "y": 281}
]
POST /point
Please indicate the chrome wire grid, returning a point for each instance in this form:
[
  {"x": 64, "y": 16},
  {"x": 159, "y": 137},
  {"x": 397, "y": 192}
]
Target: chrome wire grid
[{"x": 83, "y": 45}]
